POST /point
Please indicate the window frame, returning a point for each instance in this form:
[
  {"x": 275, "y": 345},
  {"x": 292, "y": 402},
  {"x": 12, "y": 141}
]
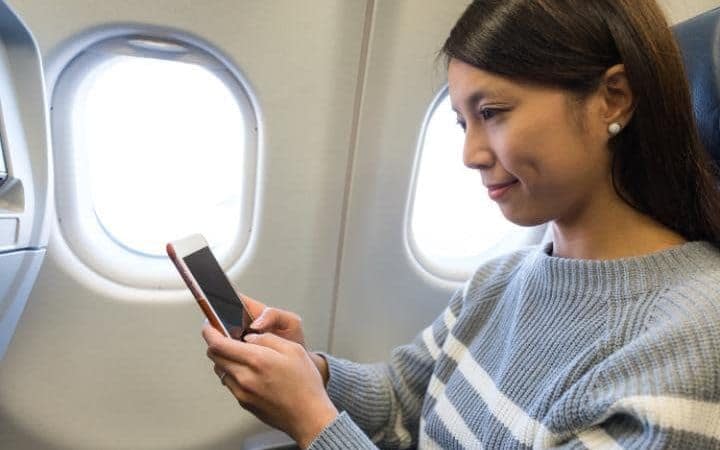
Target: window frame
[{"x": 94, "y": 249}]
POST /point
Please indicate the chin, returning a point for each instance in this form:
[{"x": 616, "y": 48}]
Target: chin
[{"x": 524, "y": 220}]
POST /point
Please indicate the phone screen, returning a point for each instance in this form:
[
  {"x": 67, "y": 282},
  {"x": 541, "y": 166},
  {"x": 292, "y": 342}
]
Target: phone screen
[{"x": 218, "y": 291}]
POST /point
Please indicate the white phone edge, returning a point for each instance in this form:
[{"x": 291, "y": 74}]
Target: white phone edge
[{"x": 189, "y": 245}]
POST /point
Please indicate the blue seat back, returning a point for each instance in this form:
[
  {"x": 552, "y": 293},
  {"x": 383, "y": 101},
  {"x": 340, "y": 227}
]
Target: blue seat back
[{"x": 699, "y": 40}]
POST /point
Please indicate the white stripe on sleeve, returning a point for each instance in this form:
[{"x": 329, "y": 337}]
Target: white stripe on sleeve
[{"x": 684, "y": 414}]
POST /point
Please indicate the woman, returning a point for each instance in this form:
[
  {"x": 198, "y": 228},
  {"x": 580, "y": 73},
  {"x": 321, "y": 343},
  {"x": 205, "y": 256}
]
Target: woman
[{"x": 577, "y": 113}]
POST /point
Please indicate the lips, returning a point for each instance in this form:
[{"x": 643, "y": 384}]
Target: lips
[
  {"x": 501, "y": 185},
  {"x": 497, "y": 190}
]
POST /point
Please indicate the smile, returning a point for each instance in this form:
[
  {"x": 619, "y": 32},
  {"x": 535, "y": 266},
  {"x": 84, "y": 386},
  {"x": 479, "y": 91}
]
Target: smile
[{"x": 496, "y": 191}]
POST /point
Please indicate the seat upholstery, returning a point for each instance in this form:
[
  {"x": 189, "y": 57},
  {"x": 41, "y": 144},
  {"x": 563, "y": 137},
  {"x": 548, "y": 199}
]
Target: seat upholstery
[{"x": 699, "y": 40}]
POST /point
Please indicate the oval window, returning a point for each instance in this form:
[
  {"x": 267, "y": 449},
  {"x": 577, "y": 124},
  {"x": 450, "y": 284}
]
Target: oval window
[{"x": 156, "y": 139}]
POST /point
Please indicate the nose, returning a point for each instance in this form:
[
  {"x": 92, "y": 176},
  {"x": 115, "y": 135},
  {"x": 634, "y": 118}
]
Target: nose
[{"x": 477, "y": 153}]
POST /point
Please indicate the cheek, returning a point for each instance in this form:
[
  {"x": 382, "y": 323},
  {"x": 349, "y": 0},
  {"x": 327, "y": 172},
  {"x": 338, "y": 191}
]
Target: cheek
[
  {"x": 512, "y": 145},
  {"x": 548, "y": 163},
  {"x": 544, "y": 150},
  {"x": 525, "y": 151}
]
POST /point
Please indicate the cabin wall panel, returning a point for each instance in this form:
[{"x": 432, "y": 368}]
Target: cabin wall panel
[
  {"x": 94, "y": 365},
  {"x": 384, "y": 297}
]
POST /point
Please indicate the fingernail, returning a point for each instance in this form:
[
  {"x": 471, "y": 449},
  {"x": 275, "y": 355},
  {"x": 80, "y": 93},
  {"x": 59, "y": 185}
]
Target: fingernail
[
  {"x": 250, "y": 337},
  {"x": 258, "y": 322}
]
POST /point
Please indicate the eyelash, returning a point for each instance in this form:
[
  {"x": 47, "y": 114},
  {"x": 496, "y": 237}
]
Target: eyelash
[
  {"x": 486, "y": 114},
  {"x": 493, "y": 112}
]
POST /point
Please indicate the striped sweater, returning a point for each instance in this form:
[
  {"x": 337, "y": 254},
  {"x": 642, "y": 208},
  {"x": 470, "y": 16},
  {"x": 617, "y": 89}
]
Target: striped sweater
[{"x": 538, "y": 351}]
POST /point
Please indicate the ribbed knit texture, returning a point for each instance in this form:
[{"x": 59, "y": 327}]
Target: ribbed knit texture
[{"x": 538, "y": 351}]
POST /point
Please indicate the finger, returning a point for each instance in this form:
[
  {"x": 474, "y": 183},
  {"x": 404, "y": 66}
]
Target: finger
[
  {"x": 223, "y": 364},
  {"x": 254, "y": 307},
  {"x": 235, "y": 388},
  {"x": 255, "y": 411},
  {"x": 220, "y": 372},
  {"x": 230, "y": 364},
  {"x": 210, "y": 334},
  {"x": 273, "y": 342},
  {"x": 229, "y": 352},
  {"x": 240, "y": 379},
  {"x": 275, "y": 319},
  {"x": 227, "y": 372}
]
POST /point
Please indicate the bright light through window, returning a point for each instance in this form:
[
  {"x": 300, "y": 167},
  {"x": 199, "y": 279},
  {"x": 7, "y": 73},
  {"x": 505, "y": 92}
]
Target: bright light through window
[
  {"x": 165, "y": 142},
  {"x": 454, "y": 222}
]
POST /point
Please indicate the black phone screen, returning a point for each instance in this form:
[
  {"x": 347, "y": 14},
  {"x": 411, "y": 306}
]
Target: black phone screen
[{"x": 218, "y": 291}]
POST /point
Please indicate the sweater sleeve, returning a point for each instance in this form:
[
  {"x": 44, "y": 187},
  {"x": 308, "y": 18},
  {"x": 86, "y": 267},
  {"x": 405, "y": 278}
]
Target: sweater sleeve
[
  {"x": 660, "y": 390},
  {"x": 385, "y": 400}
]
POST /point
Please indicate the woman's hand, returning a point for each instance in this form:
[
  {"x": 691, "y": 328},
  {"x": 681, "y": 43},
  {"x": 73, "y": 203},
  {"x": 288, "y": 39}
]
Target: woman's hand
[
  {"x": 275, "y": 379},
  {"x": 285, "y": 324}
]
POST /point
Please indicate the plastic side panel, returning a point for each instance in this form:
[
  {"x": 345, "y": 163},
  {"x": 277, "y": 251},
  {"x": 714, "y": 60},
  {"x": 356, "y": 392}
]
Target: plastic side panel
[
  {"x": 14, "y": 289},
  {"x": 3, "y": 167},
  {"x": 379, "y": 281},
  {"x": 23, "y": 124}
]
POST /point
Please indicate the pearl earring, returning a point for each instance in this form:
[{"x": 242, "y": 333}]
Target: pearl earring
[{"x": 614, "y": 128}]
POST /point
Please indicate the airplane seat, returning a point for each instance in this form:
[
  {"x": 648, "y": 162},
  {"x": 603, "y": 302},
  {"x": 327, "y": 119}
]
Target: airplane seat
[{"x": 699, "y": 40}]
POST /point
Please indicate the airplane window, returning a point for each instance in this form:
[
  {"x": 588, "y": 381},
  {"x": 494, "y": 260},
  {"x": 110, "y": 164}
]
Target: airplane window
[
  {"x": 454, "y": 226},
  {"x": 176, "y": 131},
  {"x": 155, "y": 140}
]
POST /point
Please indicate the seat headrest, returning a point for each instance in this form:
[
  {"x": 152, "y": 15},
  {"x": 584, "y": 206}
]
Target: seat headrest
[{"x": 699, "y": 40}]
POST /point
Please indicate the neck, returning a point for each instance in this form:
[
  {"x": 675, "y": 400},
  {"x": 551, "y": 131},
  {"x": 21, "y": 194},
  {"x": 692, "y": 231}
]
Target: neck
[{"x": 618, "y": 231}]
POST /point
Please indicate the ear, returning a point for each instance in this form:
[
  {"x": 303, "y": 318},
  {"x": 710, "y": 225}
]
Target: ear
[{"x": 618, "y": 101}]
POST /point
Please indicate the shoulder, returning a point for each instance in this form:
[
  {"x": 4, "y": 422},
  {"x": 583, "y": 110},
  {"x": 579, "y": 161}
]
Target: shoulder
[
  {"x": 667, "y": 342},
  {"x": 679, "y": 344},
  {"x": 691, "y": 299}
]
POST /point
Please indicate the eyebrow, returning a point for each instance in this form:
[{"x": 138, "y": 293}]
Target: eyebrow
[{"x": 476, "y": 96}]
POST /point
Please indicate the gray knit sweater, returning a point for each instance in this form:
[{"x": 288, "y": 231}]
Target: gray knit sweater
[{"x": 538, "y": 351}]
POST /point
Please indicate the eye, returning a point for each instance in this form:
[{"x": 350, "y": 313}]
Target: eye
[{"x": 489, "y": 113}]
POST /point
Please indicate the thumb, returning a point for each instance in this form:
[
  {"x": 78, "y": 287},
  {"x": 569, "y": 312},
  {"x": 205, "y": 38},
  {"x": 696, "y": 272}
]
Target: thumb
[
  {"x": 254, "y": 307},
  {"x": 272, "y": 319}
]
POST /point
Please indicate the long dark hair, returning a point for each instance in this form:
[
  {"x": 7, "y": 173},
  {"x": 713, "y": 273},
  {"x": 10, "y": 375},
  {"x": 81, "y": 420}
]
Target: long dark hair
[{"x": 659, "y": 164}]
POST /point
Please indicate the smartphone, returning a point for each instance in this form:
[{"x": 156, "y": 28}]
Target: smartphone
[{"x": 198, "y": 267}]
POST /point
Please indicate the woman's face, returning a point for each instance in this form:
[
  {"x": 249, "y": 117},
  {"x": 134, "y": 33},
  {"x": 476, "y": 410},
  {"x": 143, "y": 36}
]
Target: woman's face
[{"x": 542, "y": 154}]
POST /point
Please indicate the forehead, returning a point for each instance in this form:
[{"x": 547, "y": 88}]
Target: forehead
[
  {"x": 468, "y": 86},
  {"x": 467, "y": 83}
]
